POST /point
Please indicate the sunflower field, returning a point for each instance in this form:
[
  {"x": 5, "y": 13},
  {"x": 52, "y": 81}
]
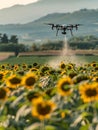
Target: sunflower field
[{"x": 41, "y": 97}]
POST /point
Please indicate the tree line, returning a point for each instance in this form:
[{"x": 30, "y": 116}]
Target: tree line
[
  {"x": 5, "y": 39},
  {"x": 11, "y": 44},
  {"x": 82, "y": 42}
]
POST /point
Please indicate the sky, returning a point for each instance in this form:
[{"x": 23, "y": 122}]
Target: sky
[
  {"x": 90, "y": 4},
  {"x": 8, "y": 3}
]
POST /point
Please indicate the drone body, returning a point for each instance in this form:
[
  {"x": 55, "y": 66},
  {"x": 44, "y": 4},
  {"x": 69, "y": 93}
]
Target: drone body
[{"x": 63, "y": 28}]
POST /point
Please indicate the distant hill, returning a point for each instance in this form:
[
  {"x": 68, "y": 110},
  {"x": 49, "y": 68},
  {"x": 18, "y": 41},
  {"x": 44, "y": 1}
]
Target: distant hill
[
  {"x": 30, "y": 12},
  {"x": 38, "y": 30}
]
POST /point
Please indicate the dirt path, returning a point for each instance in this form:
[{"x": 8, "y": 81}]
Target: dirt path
[
  {"x": 58, "y": 52},
  {"x": 5, "y": 55}
]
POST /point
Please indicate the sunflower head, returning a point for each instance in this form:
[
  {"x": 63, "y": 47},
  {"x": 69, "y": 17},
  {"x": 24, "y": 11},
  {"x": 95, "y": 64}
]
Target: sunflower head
[
  {"x": 2, "y": 74},
  {"x": 29, "y": 66},
  {"x": 70, "y": 66},
  {"x": 3, "y": 66},
  {"x": 13, "y": 81},
  {"x": 79, "y": 78},
  {"x": 29, "y": 80},
  {"x": 96, "y": 68},
  {"x": 93, "y": 64},
  {"x": 33, "y": 69},
  {"x": 52, "y": 71},
  {"x": 43, "y": 109},
  {"x": 44, "y": 69},
  {"x": 4, "y": 92},
  {"x": 64, "y": 86},
  {"x": 89, "y": 92},
  {"x": 62, "y": 65},
  {"x": 16, "y": 67},
  {"x": 24, "y": 66},
  {"x": 95, "y": 79},
  {"x": 21, "y": 73},
  {"x": 33, "y": 95},
  {"x": 50, "y": 92},
  {"x": 72, "y": 74}
]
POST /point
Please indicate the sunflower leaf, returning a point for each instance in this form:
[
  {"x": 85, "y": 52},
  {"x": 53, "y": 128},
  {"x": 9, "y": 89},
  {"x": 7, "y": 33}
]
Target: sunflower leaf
[
  {"x": 86, "y": 127},
  {"x": 49, "y": 127}
]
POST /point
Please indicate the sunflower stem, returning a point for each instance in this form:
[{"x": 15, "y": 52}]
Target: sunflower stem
[{"x": 42, "y": 125}]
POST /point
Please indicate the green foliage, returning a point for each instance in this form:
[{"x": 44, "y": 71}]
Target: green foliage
[
  {"x": 14, "y": 39},
  {"x": 12, "y": 47},
  {"x": 52, "y": 45},
  {"x": 4, "y": 38},
  {"x": 82, "y": 42},
  {"x": 48, "y": 45},
  {"x": 46, "y": 59},
  {"x": 86, "y": 42}
]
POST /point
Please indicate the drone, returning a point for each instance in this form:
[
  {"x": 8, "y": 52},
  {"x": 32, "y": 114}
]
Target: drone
[{"x": 63, "y": 28}]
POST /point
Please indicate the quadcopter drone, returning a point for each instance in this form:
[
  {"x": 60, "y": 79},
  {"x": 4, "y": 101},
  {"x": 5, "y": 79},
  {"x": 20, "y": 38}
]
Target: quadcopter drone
[{"x": 64, "y": 28}]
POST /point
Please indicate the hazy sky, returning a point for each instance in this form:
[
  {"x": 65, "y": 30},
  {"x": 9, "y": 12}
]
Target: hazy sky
[
  {"x": 8, "y": 3},
  {"x": 74, "y": 4}
]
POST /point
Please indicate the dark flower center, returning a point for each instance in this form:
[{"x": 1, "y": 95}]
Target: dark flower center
[
  {"x": 15, "y": 80},
  {"x": 30, "y": 81},
  {"x": 63, "y": 66},
  {"x": 43, "y": 109},
  {"x": 1, "y": 76},
  {"x": 32, "y": 95},
  {"x": 65, "y": 86},
  {"x": 91, "y": 92},
  {"x": 2, "y": 93}
]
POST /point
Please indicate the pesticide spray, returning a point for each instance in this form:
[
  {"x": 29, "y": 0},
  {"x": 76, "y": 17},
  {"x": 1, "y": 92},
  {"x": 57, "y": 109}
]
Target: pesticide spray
[
  {"x": 66, "y": 56},
  {"x": 62, "y": 56}
]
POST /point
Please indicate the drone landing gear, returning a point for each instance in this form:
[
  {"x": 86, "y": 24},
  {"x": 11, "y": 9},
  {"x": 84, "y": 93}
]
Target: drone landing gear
[{"x": 64, "y": 33}]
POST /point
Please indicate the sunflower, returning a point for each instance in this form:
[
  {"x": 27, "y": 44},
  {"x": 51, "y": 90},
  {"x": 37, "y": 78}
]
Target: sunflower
[
  {"x": 43, "y": 109},
  {"x": 64, "y": 86},
  {"x": 3, "y": 66},
  {"x": 70, "y": 66},
  {"x": 35, "y": 64},
  {"x": 72, "y": 74},
  {"x": 2, "y": 74},
  {"x": 45, "y": 69},
  {"x": 32, "y": 95},
  {"x": 13, "y": 81},
  {"x": 63, "y": 114},
  {"x": 62, "y": 65},
  {"x": 4, "y": 92},
  {"x": 95, "y": 79},
  {"x": 89, "y": 92},
  {"x": 33, "y": 69},
  {"x": 24, "y": 66},
  {"x": 63, "y": 72},
  {"x": 80, "y": 77},
  {"x": 16, "y": 67},
  {"x": 93, "y": 64},
  {"x": 96, "y": 68},
  {"x": 29, "y": 80}
]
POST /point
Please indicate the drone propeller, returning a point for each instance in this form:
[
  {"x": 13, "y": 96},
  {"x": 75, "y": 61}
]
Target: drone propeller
[
  {"x": 79, "y": 24},
  {"x": 63, "y": 28},
  {"x": 52, "y": 25}
]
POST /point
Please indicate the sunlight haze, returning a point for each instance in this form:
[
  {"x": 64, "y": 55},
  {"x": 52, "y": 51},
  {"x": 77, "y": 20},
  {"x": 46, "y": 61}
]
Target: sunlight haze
[{"x": 6, "y": 3}]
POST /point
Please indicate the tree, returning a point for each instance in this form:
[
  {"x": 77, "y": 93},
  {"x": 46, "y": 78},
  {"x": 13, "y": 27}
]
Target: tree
[
  {"x": 4, "y": 38},
  {"x": 0, "y": 37},
  {"x": 14, "y": 39}
]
